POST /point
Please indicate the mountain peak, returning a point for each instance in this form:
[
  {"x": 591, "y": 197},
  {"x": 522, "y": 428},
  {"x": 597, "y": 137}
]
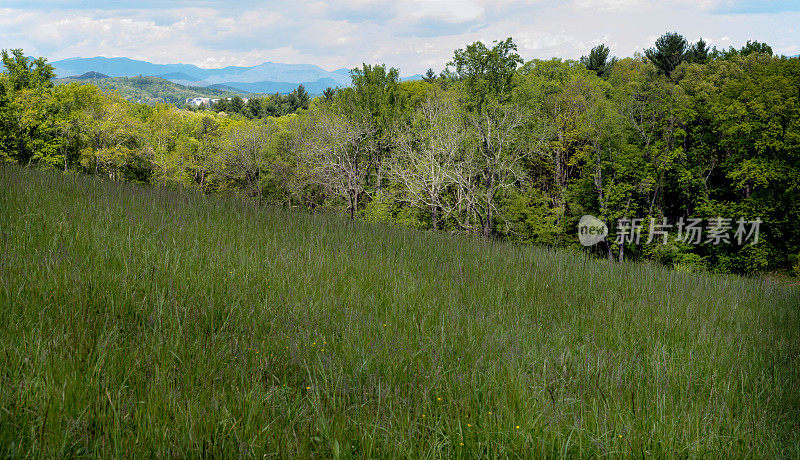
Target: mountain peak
[{"x": 266, "y": 77}]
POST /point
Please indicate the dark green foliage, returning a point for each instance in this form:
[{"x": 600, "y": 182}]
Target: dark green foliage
[
  {"x": 669, "y": 52},
  {"x": 235, "y": 105},
  {"x": 597, "y": 61},
  {"x": 91, "y": 75},
  {"x": 8, "y": 139},
  {"x": 430, "y": 76},
  {"x": 299, "y": 98},
  {"x": 276, "y": 105},
  {"x": 698, "y": 53},
  {"x": 375, "y": 94},
  {"x": 750, "y": 47},
  {"x": 755, "y": 47}
]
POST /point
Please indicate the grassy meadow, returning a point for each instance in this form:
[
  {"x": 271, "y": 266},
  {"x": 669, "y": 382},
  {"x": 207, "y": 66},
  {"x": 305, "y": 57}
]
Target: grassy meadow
[{"x": 144, "y": 321}]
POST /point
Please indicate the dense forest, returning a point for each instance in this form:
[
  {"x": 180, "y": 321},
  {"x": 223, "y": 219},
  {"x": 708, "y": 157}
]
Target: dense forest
[
  {"x": 492, "y": 145},
  {"x": 256, "y": 106}
]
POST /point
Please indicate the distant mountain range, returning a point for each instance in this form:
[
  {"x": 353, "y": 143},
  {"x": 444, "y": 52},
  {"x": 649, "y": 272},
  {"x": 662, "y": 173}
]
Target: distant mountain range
[{"x": 269, "y": 77}]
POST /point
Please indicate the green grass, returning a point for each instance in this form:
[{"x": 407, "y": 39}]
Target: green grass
[{"x": 139, "y": 321}]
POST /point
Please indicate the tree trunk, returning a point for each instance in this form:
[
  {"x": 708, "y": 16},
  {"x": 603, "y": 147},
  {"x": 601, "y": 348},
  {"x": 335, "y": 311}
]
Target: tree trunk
[
  {"x": 487, "y": 224},
  {"x": 487, "y": 228},
  {"x": 352, "y": 203}
]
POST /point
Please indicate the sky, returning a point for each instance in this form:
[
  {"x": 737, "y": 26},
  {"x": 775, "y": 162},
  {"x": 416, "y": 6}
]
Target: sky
[{"x": 411, "y": 35}]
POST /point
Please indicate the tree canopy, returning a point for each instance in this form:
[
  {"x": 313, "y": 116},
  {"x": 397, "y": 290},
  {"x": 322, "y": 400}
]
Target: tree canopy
[{"x": 492, "y": 146}]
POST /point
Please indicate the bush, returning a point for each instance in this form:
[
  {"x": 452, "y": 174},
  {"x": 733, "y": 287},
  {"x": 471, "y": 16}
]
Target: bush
[{"x": 689, "y": 262}]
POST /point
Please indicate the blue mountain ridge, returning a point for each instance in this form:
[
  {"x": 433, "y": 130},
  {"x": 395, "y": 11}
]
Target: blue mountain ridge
[{"x": 269, "y": 77}]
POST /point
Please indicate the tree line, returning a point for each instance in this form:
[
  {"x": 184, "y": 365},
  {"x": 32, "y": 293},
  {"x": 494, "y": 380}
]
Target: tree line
[
  {"x": 492, "y": 145},
  {"x": 276, "y": 105}
]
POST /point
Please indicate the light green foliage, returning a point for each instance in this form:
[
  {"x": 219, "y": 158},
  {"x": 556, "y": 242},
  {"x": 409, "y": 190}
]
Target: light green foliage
[
  {"x": 530, "y": 217},
  {"x": 23, "y": 73},
  {"x": 486, "y": 84},
  {"x": 486, "y": 73},
  {"x": 386, "y": 208}
]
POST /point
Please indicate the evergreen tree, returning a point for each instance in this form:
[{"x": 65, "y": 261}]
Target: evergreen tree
[
  {"x": 236, "y": 105},
  {"x": 669, "y": 52},
  {"x": 755, "y": 47},
  {"x": 299, "y": 98},
  {"x": 751, "y": 47},
  {"x": 597, "y": 60},
  {"x": 253, "y": 109},
  {"x": 698, "y": 52}
]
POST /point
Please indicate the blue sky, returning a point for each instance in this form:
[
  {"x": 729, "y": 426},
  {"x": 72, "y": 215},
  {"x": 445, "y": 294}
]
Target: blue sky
[{"x": 410, "y": 34}]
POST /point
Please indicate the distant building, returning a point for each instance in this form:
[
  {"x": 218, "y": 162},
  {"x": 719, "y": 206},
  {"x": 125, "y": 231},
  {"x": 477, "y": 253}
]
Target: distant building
[{"x": 198, "y": 101}]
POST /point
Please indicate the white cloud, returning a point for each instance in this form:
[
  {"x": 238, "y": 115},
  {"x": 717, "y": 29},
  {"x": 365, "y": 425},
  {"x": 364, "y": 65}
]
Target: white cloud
[
  {"x": 410, "y": 34},
  {"x": 447, "y": 11}
]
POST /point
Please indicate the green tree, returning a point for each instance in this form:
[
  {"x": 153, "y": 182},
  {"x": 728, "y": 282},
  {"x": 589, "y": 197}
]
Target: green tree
[
  {"x": 487, "y": 73},
  {"x": 254, "y": 108},
  {"x": 597, "y": 60},
  {"x": 486, "y": 76},
  {"x": 698, "y": 53},
  {"x": 22, "y": 73},
  {"x": 236, "y": 105},
  {"x": 669, "y": 52},
  {"x": 71, "y": 108},
  {"x": 375, "y": 97},
  {"x": 8, "y": 131},
  {"x": 114, "y": 140},
  {"x": 299, "y": 98},
  {"x": 755, "y": 47}
]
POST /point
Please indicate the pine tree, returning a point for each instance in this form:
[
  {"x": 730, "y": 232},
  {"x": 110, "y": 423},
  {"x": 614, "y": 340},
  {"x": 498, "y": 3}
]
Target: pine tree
[
  {"x": 299, "y": 98},
  {"x": 698, "y": 52},
  {"x": 669, "y": 52},
  {"x": 597, "y": 61}
]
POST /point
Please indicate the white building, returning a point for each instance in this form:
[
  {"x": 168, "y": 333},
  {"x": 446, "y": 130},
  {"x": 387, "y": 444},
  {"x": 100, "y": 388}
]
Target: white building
[{"x": 198, "y": 101}]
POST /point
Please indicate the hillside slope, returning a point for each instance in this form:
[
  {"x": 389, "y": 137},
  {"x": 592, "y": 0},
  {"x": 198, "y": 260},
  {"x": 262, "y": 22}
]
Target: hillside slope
[
  {"x": 153, "y": 322},
  {"x": 151, "y": 90}
]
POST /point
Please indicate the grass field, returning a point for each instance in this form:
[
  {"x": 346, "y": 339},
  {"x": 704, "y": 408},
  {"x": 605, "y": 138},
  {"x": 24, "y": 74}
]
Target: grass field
[{"x": 139, "y": 321}]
